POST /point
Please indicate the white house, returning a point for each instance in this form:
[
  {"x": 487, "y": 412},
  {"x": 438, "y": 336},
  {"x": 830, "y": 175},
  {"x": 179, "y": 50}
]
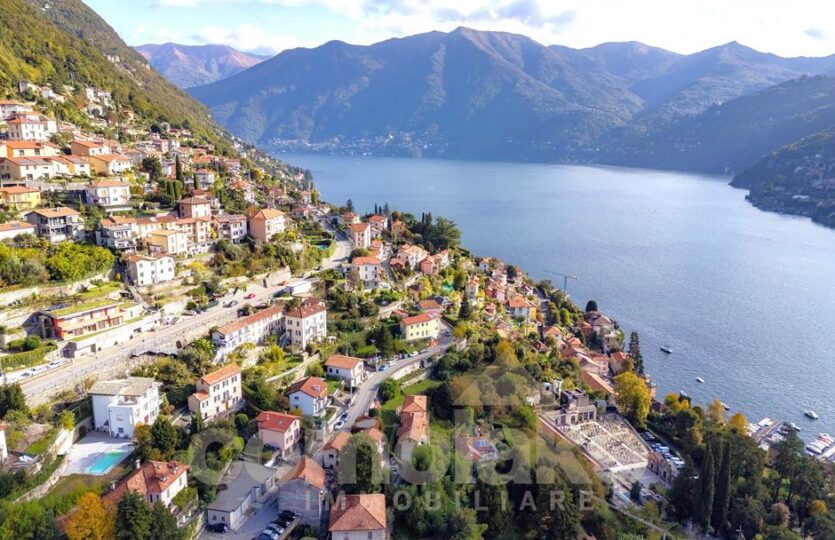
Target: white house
[
  {"x": 231, "y": 227},
  {"x": 279, "y": 430},
  {"x": 168, "y": 241},
  {"x": 195, "y": 207},
  {"x": 307, "y": 323},
  {"x": 309, "y": 396},
  {"x": 218, "y": 393},
  {"x": 109, "y": 193},
  {"x": 368, "y": 270},
  {"x": 13, "y": 228},
  {"x": 251, "y": 329},
  {"x": 121, "y": 405},
  {"x": 155, "y": 481},
  {"x": 347, "y": 368},
  {"x": 146, "y": 270},
  {"x": 360, "y": 235},
  {"x": 359, "y": 517}
]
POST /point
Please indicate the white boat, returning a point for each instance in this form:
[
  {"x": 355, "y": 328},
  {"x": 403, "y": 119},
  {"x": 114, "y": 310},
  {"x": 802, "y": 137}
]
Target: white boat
[
  {"x": 725, "y": 405},
  {"x": 794, "y": 426},
  {"x": 682, "y": 393},
  {"x": 811, "y": 414},
  {"x": 699, "y": 380},
  {"x": 667, "y": 349}
]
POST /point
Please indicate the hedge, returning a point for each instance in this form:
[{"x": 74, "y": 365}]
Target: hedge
[{"x": 27, "y": 358}]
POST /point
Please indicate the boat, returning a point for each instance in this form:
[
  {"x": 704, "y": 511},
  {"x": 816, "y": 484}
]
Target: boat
[
  {"x": 667, "y": 349},
  {"x": 725, "y": 405},
  {"x": 794, "y": 426},
  {"x": 811, "y": 414},
  {"x": 700, "y": 380},
  {"x": 682, "y": 393}
]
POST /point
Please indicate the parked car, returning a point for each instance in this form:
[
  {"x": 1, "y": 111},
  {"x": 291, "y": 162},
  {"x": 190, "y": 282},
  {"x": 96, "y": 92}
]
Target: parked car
[
  {"x": 339, "y": 425},
  {"x": 343, "y": 416},
  {"x": 233, "y": 303},
  {"x": 218, "y": 528},
  {"x": 287, "y": 514},
  {"x": 250, "y": 296}
]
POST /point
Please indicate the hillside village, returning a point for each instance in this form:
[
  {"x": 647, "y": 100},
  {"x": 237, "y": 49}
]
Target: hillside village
[{"x": 195, "y": 335}]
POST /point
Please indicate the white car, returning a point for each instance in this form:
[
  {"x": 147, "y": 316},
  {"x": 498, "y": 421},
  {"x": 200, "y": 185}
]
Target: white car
[{"x": 339, "y": 425}]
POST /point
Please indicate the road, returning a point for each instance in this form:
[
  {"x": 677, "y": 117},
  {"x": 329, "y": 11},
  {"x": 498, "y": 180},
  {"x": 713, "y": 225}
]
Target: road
[
  {"x": 185, "y": 330},
  {"x": 368, "y": 389}
]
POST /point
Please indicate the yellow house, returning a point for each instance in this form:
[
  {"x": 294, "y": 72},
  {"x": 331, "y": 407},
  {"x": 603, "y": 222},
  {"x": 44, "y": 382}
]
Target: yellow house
[
  {"x": 20, "y": 197},
  {"x": 423, "y": 326}
]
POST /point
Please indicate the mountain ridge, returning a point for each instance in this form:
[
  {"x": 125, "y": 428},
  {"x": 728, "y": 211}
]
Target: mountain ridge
[{"x": 194, "y": 65}]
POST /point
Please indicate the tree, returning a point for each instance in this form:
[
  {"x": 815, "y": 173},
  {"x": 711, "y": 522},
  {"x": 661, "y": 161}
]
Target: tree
[
  {"x": 385, "y": 342},
  {"x": 635, "y": 352},
  {"x": 635, "y": 491},
  {"x": 722, "y": 500},
  {"x": 178, "y": 169},
  {"x": 591, "y": 305},
  {"x": 493, "y": 508},
  {"x": 682, "y": 492},
  {"x": 716, "y": 412},
  {"x": 92, "y": 520},
  {"x": 633, "y": 397},
  {"x": 197, "y": 425},
  {"x": 465, "y": 311},
  {"x": 738, "y": 423},
  {"x": 505, "y": 354},
  {"x": 564, "y": 522},
  {"x": 748, "y": 515},
  {"x": 389, "y": 389},
  {"x": 787, "y": 461},
  {"x": 29, "y": 521},
  {"x": 349, "y": 205},
  {"x": 12, "y": 399},
  {"x": 153, "y": 167},
  {"x": 778, "y": 515},
  {"x": 67, "y": 419},
  {"x": 706, "y": 492},
  {"x": 164, "y": 524},
  {"x": 359, "y": 468},
  {"x": 133, "y": 518},
  {"x": 165, "y": 436}
]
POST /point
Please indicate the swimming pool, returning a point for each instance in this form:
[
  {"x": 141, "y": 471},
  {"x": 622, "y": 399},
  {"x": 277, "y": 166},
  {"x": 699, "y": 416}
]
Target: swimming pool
[{"x": 105, "y": 462}]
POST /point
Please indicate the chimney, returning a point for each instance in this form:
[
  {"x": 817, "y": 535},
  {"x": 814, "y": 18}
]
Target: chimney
[{"x": 137, "y": 463}]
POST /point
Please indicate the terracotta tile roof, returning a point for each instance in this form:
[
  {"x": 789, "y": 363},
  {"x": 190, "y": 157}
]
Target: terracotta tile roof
[
  {"x": 376, "y": 219},
  {"x": 275, "y": 421},
  {"x": 414, "y": 404},
  {"x": 518, "y": 302},
  {"x": 364, "y": 512},
  {"x": 151, "y": 477},
  {"x": 597, "y": 383},
  {"x": 233, "y": 327},
  {"x": 17, "y": 225},
  {"x": 375, "y": 434},
  {"x": 88, "y": 144},
  {"x": 307, "y": 470},
  {"x": 420, "y": 318},
  {"x": 427, "y": 305},
  {"x": 220, "y": 374},
  {"x": 365, "y": 260},
  {"x": 12, "y": 190},
  {"x": 342, "y": 362},
  {"x": 109, "y": 183},
  {"x": 107, "y": 158},
  {"x": 308, "y": 307},
  {"x": 201, "y": 395},
  {"x": 267, "y": 213},
  {"x": 61, "y": 211},
  {"x": 338, "y": 442},
  {"x": 312, "y": 386},
  {"x": 359, "y": 227},
  {"x": 194, "y": 200}
]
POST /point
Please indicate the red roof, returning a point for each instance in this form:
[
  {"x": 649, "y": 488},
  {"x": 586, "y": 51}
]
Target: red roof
[
  {"x": 312, "y": 386},
  {"x": 151, "y": 477},
  {"x": 308, "y": 307},
  {"x": 364, "y": 512},
  {"x": 275, "y": 421},
  {"x": 307, "y": 470},
  {"x": 420, "y": 318},
  {"x": 342, "y": 362},
  {"x": 251, "y": 319},
  {"x": 223, "y": 373}
]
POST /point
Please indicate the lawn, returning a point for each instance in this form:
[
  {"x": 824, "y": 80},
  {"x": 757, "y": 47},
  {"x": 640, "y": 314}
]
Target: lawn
[{"x": 63, "y": 496}]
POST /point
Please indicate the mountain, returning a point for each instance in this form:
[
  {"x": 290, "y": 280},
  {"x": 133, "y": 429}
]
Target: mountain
[
  {"x": 630, "y": 62},
  {"x": 186, "y": 65},
  {"x": 463, "y": 94},
  {"x": 63, "y": 42}
]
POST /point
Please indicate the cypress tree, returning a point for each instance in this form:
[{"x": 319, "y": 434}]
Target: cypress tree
[
  {"x": 133, "y": 518},
  {"x": 723, "y": 490},
  {"x": 706, "y": 492}
]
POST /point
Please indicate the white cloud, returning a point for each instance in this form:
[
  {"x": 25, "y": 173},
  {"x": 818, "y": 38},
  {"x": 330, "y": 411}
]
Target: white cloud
[{"x": 247, "y": 37}]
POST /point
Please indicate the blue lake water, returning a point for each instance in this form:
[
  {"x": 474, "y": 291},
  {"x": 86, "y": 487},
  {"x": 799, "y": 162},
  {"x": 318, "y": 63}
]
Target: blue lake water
[{"x": 746, "y": 298}]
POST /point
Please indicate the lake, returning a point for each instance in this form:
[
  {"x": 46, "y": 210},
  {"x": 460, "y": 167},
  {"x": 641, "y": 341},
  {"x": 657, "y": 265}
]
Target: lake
[{"x": 746, "y": 298}]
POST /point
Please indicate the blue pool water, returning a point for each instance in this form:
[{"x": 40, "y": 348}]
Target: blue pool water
[{"x": 106, "y": 462}]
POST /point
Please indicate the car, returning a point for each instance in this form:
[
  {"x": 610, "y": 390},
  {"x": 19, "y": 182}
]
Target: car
[
  {"x": 382, "y": 368},
  {"x": 218, "y": 528},
  {"x": 272, "y": 535},
  {"x": 413, "y": 354},
  {"x": 339, "y": 424},
  {"x": 189, "y": 312},
  {"x": 284, "y": 523},
  {"x": 287, "y": 514},
  {"x": 275, "y": 528},
  {"x": 343, "y": 416},
  {"x": 233, "y": 303},
  {"x": 250, "y": 296}
]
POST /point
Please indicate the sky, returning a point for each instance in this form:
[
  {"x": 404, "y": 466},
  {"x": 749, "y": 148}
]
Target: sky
[{"x": 798, "y": 28}]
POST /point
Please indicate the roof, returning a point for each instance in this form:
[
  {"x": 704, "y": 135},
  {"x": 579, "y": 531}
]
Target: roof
[
  {"x": 365, "y": 260},
  {"x": 220, "y": 374},
  {"x": 150, "y": 477},
  {"x": 195, "y": 200},
  {"x": 165, "y": 232},
  {"x": 88, "y": 144},
  {"x": 359, "y": 227},
  {"x": 28, "y": 144},
  {"x": 275, "y": 421},
  {"x": 109, "y": 183},
  {"x": 597, "y": 383},
  {"x": 308, "y": 471},
  {"x": 425, "y": 305},
  {"x": 111, "y": 157},
  {"x": 338, "y": 442},
  {"x": 16, "y": 226},
  {"x": 19, "y": 189},
  {"x": 518, "y": 302},
  {"x": 201, "y": 395},
  {"x": 375, "y": 434},
  {"x": 420, "y": 318},
  {"x": 132, "y": 386},
  {"x": 230, "y": 218},
  {"x": 267, "y": 213},
  {"x": 251, "y": 319},
  {"x": 308, "y": 307},
  {"x": 377, "y": 219},
  {"x": 139, "y": 258},
  {"x": 414, "y": 404},
  {"x": 239, "y": 480},
  {"x": 364, "y": 512},
  {"x": 312, "y": 386},
  {"x": 342, "y": 362}
]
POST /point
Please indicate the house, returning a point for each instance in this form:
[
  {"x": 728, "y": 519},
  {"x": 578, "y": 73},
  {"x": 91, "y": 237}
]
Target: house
[
  {"x": 519, "y": 308},
  {"x": 10, "y": 108},
  {"x": 12, "y": 229},
  {"x": 89, "y": 317},
  {"x": 309, "y": 396},
  {"x": 250, "y": 329},
  {"x": 665, "y": 466},
  {"x": 471, "y": 290},
  {"x": 430, "y": 306},
  {"x": 77, "y": 166},
  {"x": 246, "y": 483},
  {"x": 422, "y": 326},
  {"x": 198, "y": 231},
  {"x": 349, "y": 218},
  {"x": 218, "y": 393},
  {"x": 109, "y": 194},
  {"x": 302, "y": 491},
  {"x": 121, "y": 405},
  {"x": 168, "y": 241},
  {"x": 307, "y": 323},
  {"x": 28, "y": 169},
  {"x": 144, "y": 270},
  {"x": 244, "y": 187},
  {"x": 597, "y": 383},
  {"x": 15, "y": 149},
  {"x": 31, "y": 127},
  {"x": 156, "y": 481},
  {"x": 267, "y": 222},
  {"x": 413, "y": 429},
  {"x": 413, "y": 255},
  {"x": 360, "y": 235},
  {"x": 347, "y": 368},
  {"x": 368, "y": 270},
  {"x": 330, "y": 452},
  {"x": 117, "y": 232},
  {"x": 20, "y": 197},
  {"x": 195, "y": 207},
  {"x": 231, "y": 227},
  {"x": 204, "y": 177},
  {"x": 359, "y": 517},
  {"x": 57, "y": 224},
  {"x": 110, "y": 164},
  {"x": 477, "y": 449},
  {"x": 279, "y": 430},
  {"x": 90, "y": 148},
  {"x": 378, "y": 224}
]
